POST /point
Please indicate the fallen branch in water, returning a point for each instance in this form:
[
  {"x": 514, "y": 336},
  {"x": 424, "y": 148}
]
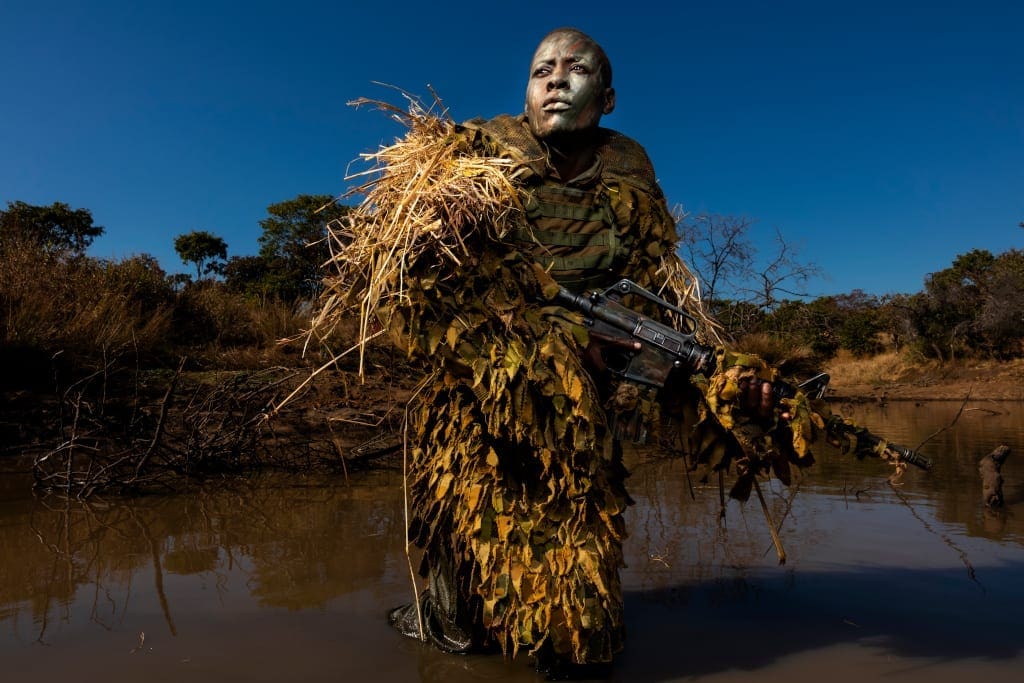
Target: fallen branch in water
[{"x": 991, "y": 476}]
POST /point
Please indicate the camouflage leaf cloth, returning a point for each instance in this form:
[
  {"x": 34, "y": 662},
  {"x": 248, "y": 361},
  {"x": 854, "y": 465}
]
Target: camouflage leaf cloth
[{"x": 515, "y": 476}]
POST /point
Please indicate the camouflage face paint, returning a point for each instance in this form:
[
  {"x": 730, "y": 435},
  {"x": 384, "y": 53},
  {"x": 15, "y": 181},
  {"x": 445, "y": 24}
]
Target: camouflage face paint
[{"x": 566, "y": 93}]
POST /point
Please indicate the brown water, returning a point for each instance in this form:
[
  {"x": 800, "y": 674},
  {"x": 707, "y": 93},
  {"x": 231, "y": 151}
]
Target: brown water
[{"x": 288, "y": 579}]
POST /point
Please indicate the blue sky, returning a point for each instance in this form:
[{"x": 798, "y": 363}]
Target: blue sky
[{"x": 880, "y": 138}]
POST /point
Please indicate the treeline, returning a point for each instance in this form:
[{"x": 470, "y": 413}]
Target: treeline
[
  {"x": 973, "y": 309},
  {"x": 119, "y": 375},
  {"x": 56, "y": 302}
]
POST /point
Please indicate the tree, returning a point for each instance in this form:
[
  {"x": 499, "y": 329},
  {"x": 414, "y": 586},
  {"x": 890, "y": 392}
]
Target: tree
[
  {"x": 140, "y": 281},
  {"x": 247, "y": 275},
  {"x": 784, "y": 276},
  {"x": 973, "y": 307},
  {"x": 733, "y": 281},
  {"x": 859, "y": 323},
  {"x": 1001, "y": 318},
  {"x": 718, "y": 250},
  {"x": 810, "y": 324},
  {"x": 896, "y": 317},
  {"x": 204, "y": 249},
  {"x": 293, "y": 245},
  {"x": 57, "y": 227}
]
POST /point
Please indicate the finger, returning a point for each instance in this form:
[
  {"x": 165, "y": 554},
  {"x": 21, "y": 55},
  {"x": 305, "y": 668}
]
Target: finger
[
  {"x": 767, "y": 399},
  {"x": 608, "y": 340},
  {"x": 752, "y": 395}
]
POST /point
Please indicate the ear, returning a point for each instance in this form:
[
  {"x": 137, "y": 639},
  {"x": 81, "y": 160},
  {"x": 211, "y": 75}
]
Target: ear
[{"x": 609, "y": 100}]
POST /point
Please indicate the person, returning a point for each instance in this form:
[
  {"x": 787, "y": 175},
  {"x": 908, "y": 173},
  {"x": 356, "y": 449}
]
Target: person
[
  {"x": 516, "y": 477},
  {"x": 518, "y": 484}
]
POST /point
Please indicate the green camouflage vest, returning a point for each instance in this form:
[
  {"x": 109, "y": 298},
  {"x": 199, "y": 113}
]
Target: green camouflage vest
[{"x": 572, "y": 229}]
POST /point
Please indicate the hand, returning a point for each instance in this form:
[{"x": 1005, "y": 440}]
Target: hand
[
  {"x": 602, "y": 346},
  {"x": 757, "y": 399}
]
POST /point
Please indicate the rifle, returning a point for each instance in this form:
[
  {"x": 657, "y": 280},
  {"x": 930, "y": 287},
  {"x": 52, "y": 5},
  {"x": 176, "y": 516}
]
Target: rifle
[{"x": 663, "y": 349}]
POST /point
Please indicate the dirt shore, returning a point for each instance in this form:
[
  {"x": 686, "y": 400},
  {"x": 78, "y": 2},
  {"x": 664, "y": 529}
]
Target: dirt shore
[
  {"x": 894, "y": 378},
  {"x": 29, "y": 419}
]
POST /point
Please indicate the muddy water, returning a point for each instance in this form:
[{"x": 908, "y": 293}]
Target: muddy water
[{"x": 287, "y": 579}]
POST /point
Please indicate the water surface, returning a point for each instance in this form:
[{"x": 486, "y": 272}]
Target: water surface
[{"x": 287, "y": 578}]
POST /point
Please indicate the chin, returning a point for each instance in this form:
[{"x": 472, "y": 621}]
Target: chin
[{"x": 555, "y": 130}]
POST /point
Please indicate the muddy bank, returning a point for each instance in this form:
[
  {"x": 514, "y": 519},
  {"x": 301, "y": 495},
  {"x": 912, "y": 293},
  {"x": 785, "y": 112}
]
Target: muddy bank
[
  {"x": 211, "y": 420},
  {"x": 892, "y": 378}
]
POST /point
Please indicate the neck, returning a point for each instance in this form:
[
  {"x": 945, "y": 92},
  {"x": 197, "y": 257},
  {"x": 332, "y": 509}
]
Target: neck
[{"x": 571, "y": 154}]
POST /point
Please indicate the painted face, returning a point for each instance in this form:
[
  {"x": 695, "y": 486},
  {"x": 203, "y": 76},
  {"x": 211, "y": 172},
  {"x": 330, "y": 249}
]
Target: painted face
[{"x": 565, "y": 92}]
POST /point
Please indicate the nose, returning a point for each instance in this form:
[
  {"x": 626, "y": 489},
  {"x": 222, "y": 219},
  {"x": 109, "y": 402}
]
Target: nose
[{"x": 558, "y": 79}]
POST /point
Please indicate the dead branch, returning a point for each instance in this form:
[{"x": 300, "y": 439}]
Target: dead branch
[{"x": 990, "y": 468}]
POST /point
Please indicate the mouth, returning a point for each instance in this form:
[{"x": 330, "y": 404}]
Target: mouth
[{"x": 555, "y": 105}]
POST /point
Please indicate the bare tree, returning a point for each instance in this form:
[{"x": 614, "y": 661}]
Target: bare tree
[
  {"x": 784, "y": 276},
  {"x": 720, "y": 251}
]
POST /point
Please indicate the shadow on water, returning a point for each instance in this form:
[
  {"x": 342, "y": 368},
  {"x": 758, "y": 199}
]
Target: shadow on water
[
  {"x": 288, "y": 578},
  {"x": 755, "y": 622}
]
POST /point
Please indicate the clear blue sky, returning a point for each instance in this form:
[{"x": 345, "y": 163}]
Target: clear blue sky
[{"x": 881, "y": 138}]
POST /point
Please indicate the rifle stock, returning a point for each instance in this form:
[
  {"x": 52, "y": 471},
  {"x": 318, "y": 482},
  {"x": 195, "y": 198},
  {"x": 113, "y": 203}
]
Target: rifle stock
[{"x": 663, "y": 349}]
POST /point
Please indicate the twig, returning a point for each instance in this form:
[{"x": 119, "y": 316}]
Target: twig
[
  {"x": 159, "y": 429},
  {"x": 779, "y": 550},
  {"x": 341, "y": 453},
  {"x": 789, "y": 507},
  {"x": 721, "y": 494},
  {"x": 945, "y": 539},
  {"x": 405, "y": 507},
  {"x": 950, "y": 425}
]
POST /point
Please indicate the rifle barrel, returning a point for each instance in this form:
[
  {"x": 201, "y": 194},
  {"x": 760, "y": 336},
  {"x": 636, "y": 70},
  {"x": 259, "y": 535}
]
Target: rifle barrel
[{"x": 903, "y": 454}]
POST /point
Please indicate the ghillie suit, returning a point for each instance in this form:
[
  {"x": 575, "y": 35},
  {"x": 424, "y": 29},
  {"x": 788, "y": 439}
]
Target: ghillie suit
[{"x": 515, "y": 480}]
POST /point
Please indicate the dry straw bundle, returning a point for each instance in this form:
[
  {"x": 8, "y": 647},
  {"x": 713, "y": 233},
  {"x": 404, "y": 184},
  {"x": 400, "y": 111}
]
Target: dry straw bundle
[{"x": 423, "y": 197}]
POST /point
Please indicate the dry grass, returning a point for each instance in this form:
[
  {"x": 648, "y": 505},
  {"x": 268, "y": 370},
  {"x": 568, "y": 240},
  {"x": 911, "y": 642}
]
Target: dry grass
[
  {"x": 781, "y": 353},
  {"x": 908, "y": 376},
  {"x": 885, "y": 368},
  {"x": 423, "y": 196},
  {"x": 60, "y": 304}
]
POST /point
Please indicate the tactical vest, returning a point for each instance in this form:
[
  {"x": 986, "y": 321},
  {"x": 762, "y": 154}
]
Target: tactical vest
[
  {"x": 572, "y": 230},
  {"x": 572, "y": 233}
]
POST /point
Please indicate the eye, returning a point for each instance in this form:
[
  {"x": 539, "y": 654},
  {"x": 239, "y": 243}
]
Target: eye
[
  {"x": 541, "y": 71},
  {"x": 580, "y": 68}
]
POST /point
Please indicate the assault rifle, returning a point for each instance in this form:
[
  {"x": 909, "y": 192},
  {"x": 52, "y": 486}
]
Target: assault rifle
[{"x": 663, "y": 349}]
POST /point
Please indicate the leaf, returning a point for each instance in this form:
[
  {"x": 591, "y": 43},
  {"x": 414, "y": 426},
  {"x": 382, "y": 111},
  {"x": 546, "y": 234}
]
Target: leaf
[
  {"x": 452, "y": 336},
  {"x": 480, "y": 368},
  {"x": 514, "y": 357},
  {"x": 517, "y": 576},
  {"x": 433, "y": 338},
  {"x": 504, "y": 524},
  {"x": 473, "y": 498},
  {"x": 574, "y": 387},
  {"x": 443, "y": 484}
]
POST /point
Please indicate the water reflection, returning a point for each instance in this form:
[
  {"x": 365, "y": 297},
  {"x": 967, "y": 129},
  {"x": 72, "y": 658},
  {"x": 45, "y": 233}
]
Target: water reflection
[
  {"x": 954, "y": 487},
  {"x": 295, "y": 544},
  {"x": 282, "y": 577}
]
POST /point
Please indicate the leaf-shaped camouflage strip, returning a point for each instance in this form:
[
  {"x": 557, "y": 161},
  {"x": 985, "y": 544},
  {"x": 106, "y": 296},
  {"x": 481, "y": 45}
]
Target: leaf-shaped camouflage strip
[{"x": 520, "y": 527}]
